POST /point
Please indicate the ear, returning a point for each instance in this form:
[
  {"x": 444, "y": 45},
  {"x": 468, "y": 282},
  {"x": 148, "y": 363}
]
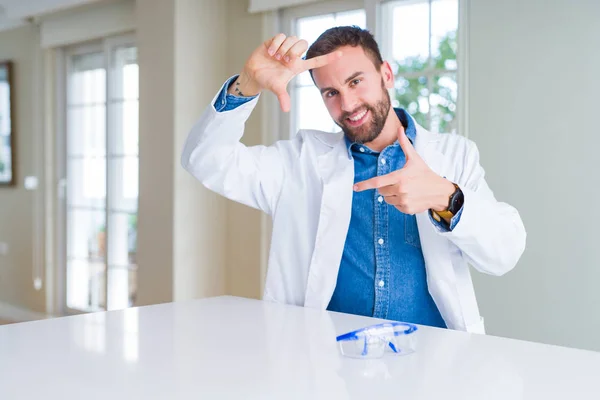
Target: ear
[{"x": 387, "y": 74}]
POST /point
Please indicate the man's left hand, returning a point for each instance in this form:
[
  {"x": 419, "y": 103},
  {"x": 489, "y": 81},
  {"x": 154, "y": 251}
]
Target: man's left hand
[{"x": 415, "y": 187}]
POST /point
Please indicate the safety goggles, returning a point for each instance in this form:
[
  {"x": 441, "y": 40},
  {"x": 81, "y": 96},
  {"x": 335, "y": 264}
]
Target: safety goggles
[{"x": 374, "y": 341}]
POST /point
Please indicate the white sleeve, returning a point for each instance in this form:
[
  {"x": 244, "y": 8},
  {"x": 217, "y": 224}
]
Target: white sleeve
[
  {"x": 214, "y": 155},
  {"x": 490, "y": 233}
]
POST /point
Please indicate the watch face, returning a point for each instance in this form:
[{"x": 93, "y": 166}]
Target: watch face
[{"x": 457, "y": 201}]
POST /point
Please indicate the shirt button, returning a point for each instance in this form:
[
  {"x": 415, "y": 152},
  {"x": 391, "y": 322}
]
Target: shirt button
[
  {"x": 362, "y": 149},
  {"x": 380, "y": 199},
  {"x": 383, "y": 161},
  {"x": 380, "y": 241},
  {"x": 381, "y": 283}
]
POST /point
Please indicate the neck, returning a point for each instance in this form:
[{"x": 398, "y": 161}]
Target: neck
[{"x": 389, "y": 133}]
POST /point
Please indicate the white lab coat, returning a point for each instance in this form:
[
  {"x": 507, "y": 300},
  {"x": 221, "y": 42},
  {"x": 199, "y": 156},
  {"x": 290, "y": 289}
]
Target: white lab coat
[{"x": 305, "y": 184}]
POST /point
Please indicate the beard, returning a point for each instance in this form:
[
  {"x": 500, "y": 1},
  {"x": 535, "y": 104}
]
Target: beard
[{"x": 369, "y": 131}]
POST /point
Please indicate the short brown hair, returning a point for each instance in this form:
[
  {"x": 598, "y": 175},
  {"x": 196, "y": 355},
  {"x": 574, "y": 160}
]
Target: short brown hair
[{"x": 339, "y": 36}]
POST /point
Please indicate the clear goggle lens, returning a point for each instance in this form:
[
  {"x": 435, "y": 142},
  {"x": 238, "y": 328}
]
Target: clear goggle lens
[{"x": 374, "y": 341}]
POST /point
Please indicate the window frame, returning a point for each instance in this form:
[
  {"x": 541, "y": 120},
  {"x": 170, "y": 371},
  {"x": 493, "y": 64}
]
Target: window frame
[
  {"x": 429, "y": 73},
  {"x": 106, "y": 46},
  {"x": 377, "y": 25}
]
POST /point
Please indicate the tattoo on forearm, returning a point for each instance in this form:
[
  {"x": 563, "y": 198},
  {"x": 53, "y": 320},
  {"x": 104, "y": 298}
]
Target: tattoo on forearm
[{"x": 237, "y": 89}]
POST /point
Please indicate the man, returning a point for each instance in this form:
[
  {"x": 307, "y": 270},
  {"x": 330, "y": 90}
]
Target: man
[{"x": 381, "y": 219}]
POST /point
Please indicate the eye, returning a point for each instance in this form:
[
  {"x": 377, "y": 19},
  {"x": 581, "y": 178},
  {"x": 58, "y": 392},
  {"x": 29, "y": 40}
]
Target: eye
[
  {"x": 331, "y": 93},
  {"x": 355, "y": 82}
]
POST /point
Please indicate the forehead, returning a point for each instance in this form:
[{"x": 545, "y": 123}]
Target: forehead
[{"x": 334, "y": 74}]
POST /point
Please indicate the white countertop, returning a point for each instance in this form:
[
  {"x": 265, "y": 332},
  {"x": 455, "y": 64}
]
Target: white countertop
[{"x": 233, "y": 348}]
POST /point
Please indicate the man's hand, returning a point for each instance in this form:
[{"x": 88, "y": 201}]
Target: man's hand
[
  {"x": 273, "y": 65},
  {"x": 415, "y": 187}
]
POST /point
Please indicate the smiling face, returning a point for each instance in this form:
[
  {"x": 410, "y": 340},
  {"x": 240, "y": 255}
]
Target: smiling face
[{"x": 355, "y": 93}]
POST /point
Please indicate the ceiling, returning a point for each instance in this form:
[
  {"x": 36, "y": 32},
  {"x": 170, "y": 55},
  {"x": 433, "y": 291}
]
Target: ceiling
[{"x": 14, "y": 13}]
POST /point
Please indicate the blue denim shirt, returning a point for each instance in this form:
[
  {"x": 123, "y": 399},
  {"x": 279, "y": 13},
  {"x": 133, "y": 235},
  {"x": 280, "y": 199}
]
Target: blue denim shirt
[
  {"x": 226, "y": 101},
  {"x": 382, "y": 272}
]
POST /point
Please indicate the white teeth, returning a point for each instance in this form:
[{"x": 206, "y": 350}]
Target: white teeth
[{"x": 358, "y": 117}]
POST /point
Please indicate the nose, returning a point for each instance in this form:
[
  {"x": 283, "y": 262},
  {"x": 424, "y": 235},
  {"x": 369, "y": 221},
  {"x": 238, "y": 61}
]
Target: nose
[{"x": 349, "y": 102}]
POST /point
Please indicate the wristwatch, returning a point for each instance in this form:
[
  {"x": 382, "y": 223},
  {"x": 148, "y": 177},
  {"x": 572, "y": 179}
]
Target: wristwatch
[{"x": 455, "y": 203}]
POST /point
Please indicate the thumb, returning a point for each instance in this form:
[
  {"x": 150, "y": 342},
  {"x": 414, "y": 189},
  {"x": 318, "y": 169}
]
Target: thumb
[
  {"x": 406, "y": 145},
  {"x": 284, "y": 100}
]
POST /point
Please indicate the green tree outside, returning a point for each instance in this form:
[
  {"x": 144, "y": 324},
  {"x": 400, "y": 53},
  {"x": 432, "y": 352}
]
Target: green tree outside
[{"x": 413, "y": 93}]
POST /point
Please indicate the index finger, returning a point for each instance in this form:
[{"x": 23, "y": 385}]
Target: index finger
[
  {"x": 406, "y": 145},
  {"x": 376, "y": 182},
  {"x": 320, "y": 61}
]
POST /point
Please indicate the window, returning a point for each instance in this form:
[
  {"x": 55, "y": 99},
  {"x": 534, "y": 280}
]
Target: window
[
  {"x": 422, "y": 51},
  {"x": 101, "y": 168},
  {"x": 308, "y": 110},
  {"x": 6, "y": 125},
  {"x": 418, "y": 38}
]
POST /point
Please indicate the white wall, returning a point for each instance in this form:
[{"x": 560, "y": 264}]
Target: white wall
[
  {"x": 89, "y": 22},
  {"x": 156, "y": 51},
  {"x": 534, "y": 98},
  {"x": 182, "y": 226},
  {"x": 244, "y": 223},
  {"x": 16, "y": 203},
  {"x": 200, "y": 218}
]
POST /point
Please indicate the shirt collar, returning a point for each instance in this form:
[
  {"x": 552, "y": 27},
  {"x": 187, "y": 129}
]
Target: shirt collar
[{"x": 406, "y": 121}]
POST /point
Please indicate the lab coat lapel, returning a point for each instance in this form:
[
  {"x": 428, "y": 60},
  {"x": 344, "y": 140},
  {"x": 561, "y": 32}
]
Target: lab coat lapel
[
  {"x": 441, "y": 279},
  {"x": 336, "y": 169},
  {"x": 433, "y": 245}
]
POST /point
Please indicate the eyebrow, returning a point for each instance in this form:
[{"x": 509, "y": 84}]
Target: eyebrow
[{"x": 351, "y": 77}]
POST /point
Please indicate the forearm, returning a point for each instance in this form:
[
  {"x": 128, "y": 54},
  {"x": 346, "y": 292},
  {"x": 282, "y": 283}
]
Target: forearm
[
  {"x": 442, "y": 192},
  {"x": 244, "y": 86}
]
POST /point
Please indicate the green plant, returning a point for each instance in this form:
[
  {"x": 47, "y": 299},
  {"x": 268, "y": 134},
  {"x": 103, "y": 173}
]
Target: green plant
[
  {"x": 413, "y": 93},
  {"x": 133, "y": 220}
]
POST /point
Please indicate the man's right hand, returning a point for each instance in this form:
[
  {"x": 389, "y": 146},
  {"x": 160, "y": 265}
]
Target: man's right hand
[{"x": 273, "y": 65}]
